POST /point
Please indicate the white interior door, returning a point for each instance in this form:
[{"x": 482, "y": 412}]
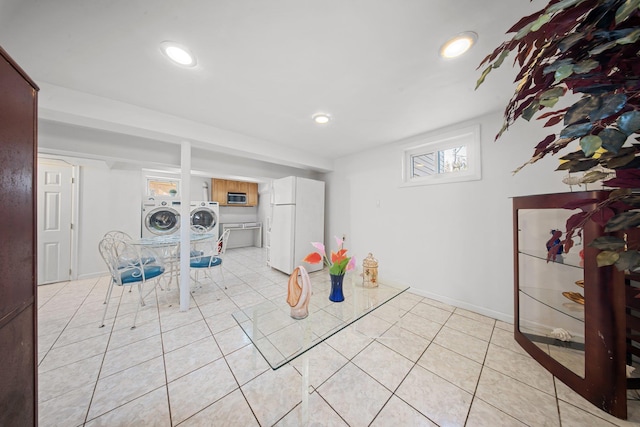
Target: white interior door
[{"x": 54, "y": 220}]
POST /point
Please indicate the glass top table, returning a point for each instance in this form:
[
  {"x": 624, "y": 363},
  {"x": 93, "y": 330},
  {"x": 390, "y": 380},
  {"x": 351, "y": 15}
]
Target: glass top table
[
  {"x": 280, "y": 338},
  {"x": 170, "y": 240}
]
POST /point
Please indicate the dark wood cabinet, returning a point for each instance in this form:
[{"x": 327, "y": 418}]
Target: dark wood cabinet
[
  {"x": 571, "y": 315},
  {"x": 18, "y": 308}
]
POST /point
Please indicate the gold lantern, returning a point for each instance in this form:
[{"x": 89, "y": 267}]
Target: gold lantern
[{"x": 370, "y": 273}]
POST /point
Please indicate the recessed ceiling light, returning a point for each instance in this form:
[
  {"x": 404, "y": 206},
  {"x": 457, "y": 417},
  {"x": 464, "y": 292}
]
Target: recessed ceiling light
[
  {"x": 321, "y": 118},
  {"x": 178, "y": 54},
  {"x": 458, "y": 45}
]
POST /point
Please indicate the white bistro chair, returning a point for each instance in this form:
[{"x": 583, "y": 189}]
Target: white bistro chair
[
  {"x": 130, "y": 265},
  {"x": 117, "y": 234},
  {"x": 207, "y": 254},
  {"x": 114, "y": 234}
]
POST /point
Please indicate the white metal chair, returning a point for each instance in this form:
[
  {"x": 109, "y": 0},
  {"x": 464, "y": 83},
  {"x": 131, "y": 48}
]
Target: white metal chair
[
  {"x": 130, "y": 265},
  {"x": 115, "y": 234},
  {"x": 207, "y": 254}
]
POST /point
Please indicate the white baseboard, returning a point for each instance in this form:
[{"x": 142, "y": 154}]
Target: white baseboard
[
  {"x": 461, "y": 304},
  {"x": 92, "y": 275}
]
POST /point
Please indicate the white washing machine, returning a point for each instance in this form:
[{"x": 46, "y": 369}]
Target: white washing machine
[
  {"x": 206, "y": 214},
  {"x": 160, "y": 217}
]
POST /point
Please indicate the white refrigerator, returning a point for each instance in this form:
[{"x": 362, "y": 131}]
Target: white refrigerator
[{"x": 297, "y": 219}]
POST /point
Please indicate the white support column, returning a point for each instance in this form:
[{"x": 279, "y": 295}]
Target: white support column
[{"x": 185, "y": 224}]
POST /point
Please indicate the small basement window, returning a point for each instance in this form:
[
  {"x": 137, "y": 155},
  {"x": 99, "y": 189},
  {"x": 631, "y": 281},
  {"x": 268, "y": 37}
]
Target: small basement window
[
  {"x": 443, "y": 158},
  {"x": 162, "y": 187}
]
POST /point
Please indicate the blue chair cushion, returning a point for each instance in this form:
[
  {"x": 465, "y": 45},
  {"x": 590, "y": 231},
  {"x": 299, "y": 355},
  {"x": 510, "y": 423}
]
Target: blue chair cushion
[
  {"x": 135, "y": 275},
  {"x": 205, "y": 262}
]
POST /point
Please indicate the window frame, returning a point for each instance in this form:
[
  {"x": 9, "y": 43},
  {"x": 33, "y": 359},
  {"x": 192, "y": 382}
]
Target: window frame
[
  {"x": 149, "y": 179},
  {"x": 468, "y": 136}
]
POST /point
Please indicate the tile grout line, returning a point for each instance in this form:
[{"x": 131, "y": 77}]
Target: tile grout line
[
  {"x": 164, "y": 359},
  {"x": 68, "y": 322},
  {"x": 393, "y": 392},
  {"x": 414, "y": 367},
  {"x": 224, "y": 357},
  {"x": 104, "y": 355},
  {"x": 482, "y": 366}
]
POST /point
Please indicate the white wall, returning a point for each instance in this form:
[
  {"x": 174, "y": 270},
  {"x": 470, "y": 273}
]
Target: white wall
[
  {"x": 452, "y": 242},
  {"x": 109, "y": 199}
]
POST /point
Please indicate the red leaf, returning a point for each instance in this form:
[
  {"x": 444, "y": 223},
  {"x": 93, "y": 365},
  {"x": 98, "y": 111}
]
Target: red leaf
[
  {"x": 553, "y": 121},
  {"x": 568, "y": 244},
  {"x": 523, "y": 55},
  {"x": 492, "y": 56},
  {"x": 522, "y": 107},
  {"x": 552, "y": 113},
  {"x": 620, "y": 206},
  {"x": 627, "y": 173},
  {"x": 574, "y": 220},
  {"x": 603, "y": 216},
  {"x": 524, "y": 22},
  {"x": 524, "y": 93},
  {"x": 566, "y": 20},
  {"x": 542, "y": 145},
  {"x": 623, "y": 182}
]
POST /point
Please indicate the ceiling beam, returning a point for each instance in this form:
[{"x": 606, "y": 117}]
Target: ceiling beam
[{"x": 76, "y": 108}]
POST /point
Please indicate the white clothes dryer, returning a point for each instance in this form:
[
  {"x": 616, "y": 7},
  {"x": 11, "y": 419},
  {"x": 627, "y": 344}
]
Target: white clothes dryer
[
  {"x": 206, "y": 214},
  {"x": 160, "y": 217}
]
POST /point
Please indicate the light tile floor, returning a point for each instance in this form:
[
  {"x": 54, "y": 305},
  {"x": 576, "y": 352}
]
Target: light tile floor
[{"x": 433, "y": 364}]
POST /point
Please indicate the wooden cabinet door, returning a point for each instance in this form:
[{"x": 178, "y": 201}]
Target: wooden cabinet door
[
  {"x": 18, "y": 308},
  {"x": 233, "y": 187},
  {"x": 242, "y": 187},
  {"x": 219, "y": 191},
  {"x": 252, "y": 194}
]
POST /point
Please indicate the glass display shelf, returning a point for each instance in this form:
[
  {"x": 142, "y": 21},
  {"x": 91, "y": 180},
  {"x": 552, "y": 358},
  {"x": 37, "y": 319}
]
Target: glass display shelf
[
  {"x": 572, "y": 259},
  {"x": 554, "y": 299},
  {"x": 280, "y": 338}
]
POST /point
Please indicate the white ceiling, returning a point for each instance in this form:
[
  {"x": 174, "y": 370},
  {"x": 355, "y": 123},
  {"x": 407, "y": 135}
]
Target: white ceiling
[{"x": 265, "y": 67}]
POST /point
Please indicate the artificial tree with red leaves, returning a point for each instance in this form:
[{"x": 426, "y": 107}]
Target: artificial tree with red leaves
[{"x": 588, "y": 48}]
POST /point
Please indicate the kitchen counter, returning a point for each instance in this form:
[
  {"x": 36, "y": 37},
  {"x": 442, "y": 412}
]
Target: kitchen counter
[{"x": 243, "y": 234}]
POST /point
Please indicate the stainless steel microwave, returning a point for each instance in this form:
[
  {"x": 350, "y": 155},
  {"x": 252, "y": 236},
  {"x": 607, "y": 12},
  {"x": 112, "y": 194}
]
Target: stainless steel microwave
[{"x": 236, "y": 198}]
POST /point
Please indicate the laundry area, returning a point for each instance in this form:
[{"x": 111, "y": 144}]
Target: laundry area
[
  {"x": 144, "y": 203},
  {"x": 222, "y": 204}
]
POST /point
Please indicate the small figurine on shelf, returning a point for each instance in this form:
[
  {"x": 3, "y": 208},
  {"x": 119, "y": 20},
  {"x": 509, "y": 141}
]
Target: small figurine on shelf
[
  {"x": 560, "y": 334},
  {"x": 574, "y": 296},
  {"x": 554, "y": 246}
]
